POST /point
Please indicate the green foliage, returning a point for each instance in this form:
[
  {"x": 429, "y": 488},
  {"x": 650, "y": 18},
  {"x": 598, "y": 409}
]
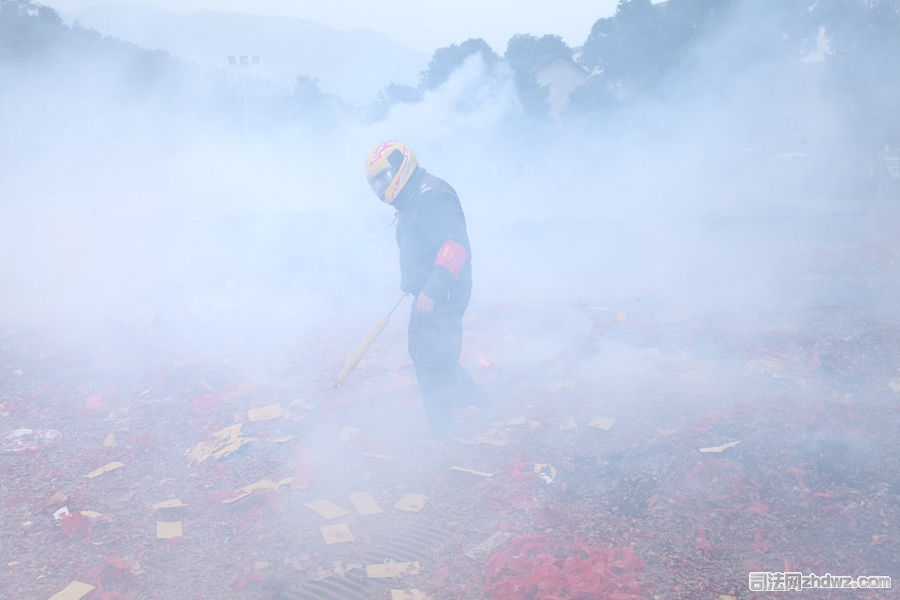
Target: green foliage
[
  {"x": 26, "y": 28},
  {"x": 645, "y": 45},
  {"x": 443, "y": 63},
  {"x": 306, "y": 94},
  {"x": 395, "y": 93},
  {"x": 528, "y": 54},
  {"x": 864, "y": 72},
  {"x": 645, "y": 51},
  {"x": 446, "y": 60},
  {"x": 631, "y": 48},
  {"x": 596, "y": 95}
]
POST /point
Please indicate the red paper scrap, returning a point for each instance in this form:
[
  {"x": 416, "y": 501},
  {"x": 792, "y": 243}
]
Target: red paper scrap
[{"x": 306, "y": 462}]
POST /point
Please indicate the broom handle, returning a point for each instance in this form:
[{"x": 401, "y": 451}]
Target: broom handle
[{"x": 357, "y": 356}]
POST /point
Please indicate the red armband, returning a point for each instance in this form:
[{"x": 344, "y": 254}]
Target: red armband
[{"x": 452, "y": 257}]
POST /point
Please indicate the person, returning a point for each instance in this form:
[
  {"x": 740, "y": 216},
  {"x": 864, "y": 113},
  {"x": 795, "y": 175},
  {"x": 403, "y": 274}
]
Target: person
[{"x": 436, "y": 269}]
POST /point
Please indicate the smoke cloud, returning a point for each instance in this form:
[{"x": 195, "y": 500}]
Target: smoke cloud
[{"x": 131, "y": 197}]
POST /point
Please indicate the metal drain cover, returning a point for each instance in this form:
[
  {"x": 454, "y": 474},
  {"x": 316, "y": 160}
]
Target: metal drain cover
[
  {"x": 413, "y": 544},
  {"x": 333, "y": 588},
  {"x": 417, "y": 543}
]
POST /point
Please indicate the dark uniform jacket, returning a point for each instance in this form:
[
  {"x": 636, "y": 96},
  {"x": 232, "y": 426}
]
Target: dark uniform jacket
[{"x": 435, "y": 257}]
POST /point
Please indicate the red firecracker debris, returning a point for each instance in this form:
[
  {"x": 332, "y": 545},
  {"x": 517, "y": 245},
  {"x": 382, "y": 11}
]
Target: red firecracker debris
[
  {"x": 94, "y": 404},
  {"x": 535, "y": 566},
  {"x": 306, "y": 463},
  {"x": 76, "y": 525}
]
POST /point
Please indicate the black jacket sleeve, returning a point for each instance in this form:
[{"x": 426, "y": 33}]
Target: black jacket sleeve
[{"x": 444, "y": 222}]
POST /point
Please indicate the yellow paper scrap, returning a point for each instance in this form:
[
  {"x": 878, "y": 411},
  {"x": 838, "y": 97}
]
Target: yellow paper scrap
[
  {"x": 773, "y": 367},
  {"x": 341, "y": 569},
  {"x": 721, "y": 448},
  {"x": 560, "y": 385},
  {"x": 409, "y": 595},
  {"x": 411, "y": 502},
  {"x": 364, "y": 504},
  {"x": 173, "y": 503},
  {"x": 110, "y": 440},
  {"x": 238, "y": 495},
  {"x": 221, "y": 443},
  {"x": 621, "y": 317},
  {"x": 348, "y": 433},
  {"x": 91, "y": 514},
  {"x": 487, "y": 547},
  {"x": 392, "y": 569},
  {"x": 265, "y": 413},
  {"x": 336, "y": 534},
  {"x": 326, "y": 509},
  {"x": 568, "y": 423},
  {"x": 229, "y": 433},
  {"x": 166, "y": 530},
  {"x": 370, "y": 454},
  {"x": 73, "y": 591},
  {"x": 604, "y": 423},
  {"x": 230, "y": 447},
  {"x": 491, "y": 437},
  {"x": 692, "y": 376},
  {"x": 262, "y": 485},
  {"x": 513, "y": 422},
  {"x": 104, "y": 469},
  {"x": 472, "y": 471}
]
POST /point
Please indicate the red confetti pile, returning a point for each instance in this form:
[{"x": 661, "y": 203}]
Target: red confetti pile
[
  {"x": 76, "y": 525},
  {"x": 540, "y": 568}
]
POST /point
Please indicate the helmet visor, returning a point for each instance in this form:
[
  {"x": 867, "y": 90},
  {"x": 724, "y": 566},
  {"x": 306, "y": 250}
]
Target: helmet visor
[{"x": 381, "y": 180}]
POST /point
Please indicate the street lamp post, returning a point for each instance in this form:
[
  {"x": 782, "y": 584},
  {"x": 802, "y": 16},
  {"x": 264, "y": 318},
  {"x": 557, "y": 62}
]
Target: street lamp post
[{"x": 244, "y": 62}]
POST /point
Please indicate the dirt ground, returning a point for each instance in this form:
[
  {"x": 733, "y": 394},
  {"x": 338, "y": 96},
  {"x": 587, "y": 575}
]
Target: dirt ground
[{"x": 627, "y": 455}]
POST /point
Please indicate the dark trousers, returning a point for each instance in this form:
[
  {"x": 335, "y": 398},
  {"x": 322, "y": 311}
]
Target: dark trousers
[{"x": 435, "y": 343}]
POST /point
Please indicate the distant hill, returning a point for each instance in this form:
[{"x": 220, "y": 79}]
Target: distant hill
[{"x": 354, "y": 65}]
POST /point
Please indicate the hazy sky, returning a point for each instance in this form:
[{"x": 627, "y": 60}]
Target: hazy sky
[{"x": 420, "y": 24}]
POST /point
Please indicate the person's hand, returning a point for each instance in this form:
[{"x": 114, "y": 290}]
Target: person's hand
[{"x": 424, "y": 304}]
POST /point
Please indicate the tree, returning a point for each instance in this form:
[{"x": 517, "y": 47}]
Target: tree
[
  {"x": 629, "y": 54},
  {"x": 527, "y": 55},
  {"x": 628, "y": 47},
  {"x": 306, "y": 95},
  {"x": 596, "y": 95},
  {"x": 599, "y": 43},
  {"x": 27, "y": 28},
  {"x": 446, "y": 60},
  {"x": 864, "y": 73},
  {"x": 395, "y": 93},
  {"x": 638, "y": 56}
]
